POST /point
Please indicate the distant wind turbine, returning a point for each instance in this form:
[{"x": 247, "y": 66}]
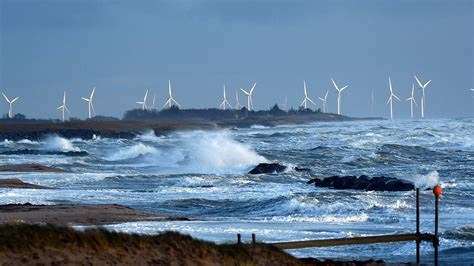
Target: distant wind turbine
[
  {"x": 390, "y": 98},
  {"x": 10, "y": 102},
  {"x": 143, "y": 103},
  {"x": 249, "y": 97},
  {"x": 306, "y": 98},
  {"x": 224, "y": 102},
  {"x": 285, "y": 104},
  {"x": 238, "y": 106},
  {"x": 412, "y": 99},
  {"x": 89, "y": 103},
  {"x": 153, "y": 103},
  {"x": 423, "y": 101},
  {"x": 170, "y": 100},
  {"x": 372, "y": 102},
  {"x": 64, "y": 107},
  {"x": 339, "y": 90},
  {"x": 324, "y": 100}
]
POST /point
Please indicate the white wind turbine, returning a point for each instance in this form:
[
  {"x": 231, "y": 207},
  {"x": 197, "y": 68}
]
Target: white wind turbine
[
  {"x": 249, "y": 97},
  {"x": 171, "y": 100},
  {"x": 423, "y": 102},
  {"x": 285, "y": 104},
  {"x": 224, "y": 102},
  {"x": 64, "y": 107},
  {"x": 237, "y": 104},
  {"x": 390, "y": 98},
  {"x": 89, "y": 103},
  {"x": 339, "y": 90},
  {"x": 306, "y": 98},
  {"x": 153, "y": 103},
  {"x": 412, "y": 99},
  {"x": 143, "y": 103},
  {"x": 324, "y": 100},
  {"x": 10, "y": 102}
]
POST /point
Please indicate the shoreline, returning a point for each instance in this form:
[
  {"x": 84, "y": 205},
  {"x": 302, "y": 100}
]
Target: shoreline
[{"x": 129, "y": 129}]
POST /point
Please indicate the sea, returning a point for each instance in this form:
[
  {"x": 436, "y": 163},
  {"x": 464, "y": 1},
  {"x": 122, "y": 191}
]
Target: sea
[{"x": 204, "y": 175}]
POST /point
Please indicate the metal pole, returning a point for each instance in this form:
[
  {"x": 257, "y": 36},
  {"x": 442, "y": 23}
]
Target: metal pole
[
  {"x": 436, "y": 239},
  {"x": 253, "y": 239},
  {"x": 239, "y": 239},
  {"x": 418, "y": 240}
]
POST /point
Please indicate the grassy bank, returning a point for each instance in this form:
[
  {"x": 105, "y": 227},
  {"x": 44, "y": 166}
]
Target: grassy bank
[{"x": 22, "y": 244}]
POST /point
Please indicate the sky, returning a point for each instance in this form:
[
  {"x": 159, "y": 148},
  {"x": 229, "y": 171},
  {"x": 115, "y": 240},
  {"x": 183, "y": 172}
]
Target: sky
[{"x": 124, "y": 48}]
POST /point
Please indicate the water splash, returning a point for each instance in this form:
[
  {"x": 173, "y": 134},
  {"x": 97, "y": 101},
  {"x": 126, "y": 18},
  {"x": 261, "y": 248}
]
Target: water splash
[{"x": 427, "y": 181}]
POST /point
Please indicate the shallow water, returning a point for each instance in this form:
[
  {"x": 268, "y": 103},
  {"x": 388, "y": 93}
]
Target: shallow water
[{"x": 203, "y": 175}]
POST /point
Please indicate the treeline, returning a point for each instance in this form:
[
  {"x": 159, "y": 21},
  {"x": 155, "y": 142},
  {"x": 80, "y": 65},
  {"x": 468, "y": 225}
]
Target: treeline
[{"x": 174, "y": 113}]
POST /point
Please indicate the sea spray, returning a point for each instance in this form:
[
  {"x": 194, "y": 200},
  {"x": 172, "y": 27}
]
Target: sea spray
[
  {"x": 427, "y": 181},
  {"x": 56, "y": 143},
  {"x": 132, "y": 152}
]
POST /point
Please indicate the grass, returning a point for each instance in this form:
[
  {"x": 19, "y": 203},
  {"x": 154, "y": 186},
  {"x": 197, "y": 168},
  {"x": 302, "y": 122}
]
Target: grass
[{"x": 52, "y": 244}]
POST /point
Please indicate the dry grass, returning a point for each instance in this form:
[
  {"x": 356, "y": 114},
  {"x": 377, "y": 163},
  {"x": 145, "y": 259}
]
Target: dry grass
[{"x": 50, "y": 244}]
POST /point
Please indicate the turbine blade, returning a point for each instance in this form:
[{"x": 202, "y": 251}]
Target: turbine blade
[
  {"x": 14, "y": 100},
  {"x": 92, "y": 107},
  {"x": 321, "y": 99},
  {"x": 390, "y": 85},
  {"x": 92, "y": 94},
  {"x": 64, "y": 98},
  {"x": 415, "y": 103},
  {"x": 426, "y": 84},
  {"x": 335, "y": 85},
  {"x": 60, "y": 107},
  {"x": 311, "y": 101},
  {"x": 167, "y": 102},
  {"x": 419, "y": 82},
  {"x": 304, "y": 86},
  {"x": 396, "y": 97},
  {"x": 67, "y": 109},
  {"x": 6, "y": 98},
  {"x": 255, "y": 84},
  {"x": 85, "y": 99},
  {"x": 302, "y": 103},
  {"x": 325, "y": 97},
  {"x": 343, "y": 88},
  {"x": 389, "y": 99},
  {"x": 246, "y": 93}
]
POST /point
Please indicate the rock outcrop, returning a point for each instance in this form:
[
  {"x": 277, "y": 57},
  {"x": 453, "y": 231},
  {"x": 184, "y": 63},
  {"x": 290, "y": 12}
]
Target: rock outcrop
[{"x": 363, "y": 182}]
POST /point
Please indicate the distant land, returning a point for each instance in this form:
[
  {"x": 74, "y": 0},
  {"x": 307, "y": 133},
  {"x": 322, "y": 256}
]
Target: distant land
[{"x": 137, "y": 121}]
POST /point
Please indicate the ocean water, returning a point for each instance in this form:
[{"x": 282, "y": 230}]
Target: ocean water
[{"x": 202, "y": 174}]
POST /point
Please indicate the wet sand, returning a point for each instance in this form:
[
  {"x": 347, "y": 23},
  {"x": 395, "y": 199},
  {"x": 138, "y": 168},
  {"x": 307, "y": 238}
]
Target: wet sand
[{"x": 64, "y": 214}]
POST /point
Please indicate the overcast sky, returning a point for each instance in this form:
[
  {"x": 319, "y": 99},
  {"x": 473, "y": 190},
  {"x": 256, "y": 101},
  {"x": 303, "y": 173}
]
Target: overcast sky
[{"x": 126, "y": 47}]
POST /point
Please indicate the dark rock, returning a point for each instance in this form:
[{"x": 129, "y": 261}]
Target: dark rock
[
  {"x": 378, "y": 183},
  {"x": 267, "y": 168},
  {"x": 298, "y": 169},
  {"x": 44, "y": 152}
]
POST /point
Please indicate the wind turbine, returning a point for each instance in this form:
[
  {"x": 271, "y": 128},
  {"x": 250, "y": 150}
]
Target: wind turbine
[
  {"x": 372, "y": 102},
  {"x": 285, "y": 104},
  {"x": 170, "y": 100},
  {"x": 10, "y": 102},
  {"x": 153, "y": 103},
  {"x": 143, "y": 104},
  {"x": 306, "y": 98},
  {"x": 339, "y": 90},
  {"x": 412, "y": 99},
  {"x": 249, "y": 97},
  {"x": 237, "y": 104},
  {"x": 89, "y": 103},
  {"x": 64, "y": 107},
  {"x": 390, "y": 98},
  {"x": 423, "y": 87},
  {"x": 324, "y": 100},
  {"x": 224, "y": 102}
]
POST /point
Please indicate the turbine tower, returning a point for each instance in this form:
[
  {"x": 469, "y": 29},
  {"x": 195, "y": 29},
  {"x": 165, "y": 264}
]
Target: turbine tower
[
  {"x": 237, "y": 104},
  {"x": 170, "y": 100},
  {"x": 339, "y": 90},
  {"x": 89, "y": 103},
  {"x": 285, "y": 104},
  {"x": 143, "y": 104},
  {"x": 324, "y": 100},
  {"x": 225, "y": 102},
  {"x": 423, "y": 102},
  {"x": 306, "y": 98},
  {"x": 390, "y": 98},
  {"x": 64, "y": 107},
  {"x": 10, "y": 102},
  {"x": 249, "y": 97},
  {"x": 412, "y": 99}
]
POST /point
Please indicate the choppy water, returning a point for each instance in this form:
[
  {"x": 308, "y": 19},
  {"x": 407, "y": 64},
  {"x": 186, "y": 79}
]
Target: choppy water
[{"x": 203, "y": 175}]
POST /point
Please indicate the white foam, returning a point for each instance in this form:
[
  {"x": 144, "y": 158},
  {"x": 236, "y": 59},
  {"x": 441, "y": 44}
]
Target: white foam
[
  {"x": 56, "y": 143},
  {"x": 427, "y": 181},
  {"x": 148, "y": 136},
  {"x": 132, "y": 152},
  {"x": 27, "y": 141}
]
